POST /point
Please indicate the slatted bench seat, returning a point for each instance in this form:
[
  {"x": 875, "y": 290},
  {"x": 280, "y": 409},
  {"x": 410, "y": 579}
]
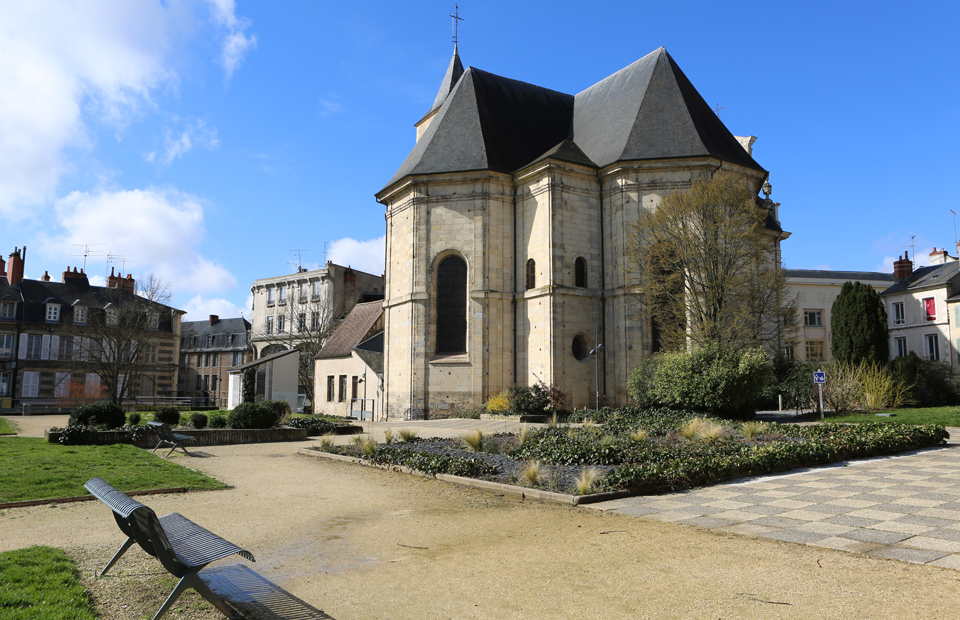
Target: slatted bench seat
[
  {"x": 185, "y": 548},
  {"x": 167, "y": 436}
]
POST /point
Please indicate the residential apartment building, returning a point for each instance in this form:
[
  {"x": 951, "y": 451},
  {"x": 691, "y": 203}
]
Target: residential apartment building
[
  {"x": 292, "y": 309},
  {"x": 919, "y": 306},
  {"x": 814, "y": 292},
  {"x": 62, "y": 343},
  {"x": 209, "y": 350}
]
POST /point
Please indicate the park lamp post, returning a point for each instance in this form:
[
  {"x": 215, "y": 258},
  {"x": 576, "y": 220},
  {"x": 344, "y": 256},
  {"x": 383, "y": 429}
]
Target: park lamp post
[{"x": 596, "y": 352}]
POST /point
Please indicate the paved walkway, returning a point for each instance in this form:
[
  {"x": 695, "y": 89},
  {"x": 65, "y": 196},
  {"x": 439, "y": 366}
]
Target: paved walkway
[{"x": 904, "y": 507}]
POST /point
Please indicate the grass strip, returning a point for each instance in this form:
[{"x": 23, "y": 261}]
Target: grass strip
[
  {"x": 41, "y": 583},
  {"x": 6, "y": 426},
  {"x": 944, "y": 416},
  {"x": 36, "y": 469}
]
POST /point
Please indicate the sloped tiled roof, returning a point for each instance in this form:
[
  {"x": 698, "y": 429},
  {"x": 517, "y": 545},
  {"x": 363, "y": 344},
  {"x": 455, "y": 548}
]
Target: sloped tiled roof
[
  {"x": 847, "y": 276},
  {"x": 927, "y": 276},
  {"x": 450, "y": 79},
  {"x": 648, "y": 110},
  {"x": 354, "y": 330},
  {"x": 223, "y": 326}
]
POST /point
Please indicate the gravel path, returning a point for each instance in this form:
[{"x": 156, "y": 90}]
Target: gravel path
[{"x": 360, "y": 542}]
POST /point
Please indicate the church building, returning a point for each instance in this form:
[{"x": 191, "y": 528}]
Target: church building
[{"x": 507, "y": 226}]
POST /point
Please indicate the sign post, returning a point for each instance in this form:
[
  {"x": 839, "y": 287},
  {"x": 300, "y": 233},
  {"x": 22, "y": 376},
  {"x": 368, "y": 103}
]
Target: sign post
[{"x": 819, "y": 378}]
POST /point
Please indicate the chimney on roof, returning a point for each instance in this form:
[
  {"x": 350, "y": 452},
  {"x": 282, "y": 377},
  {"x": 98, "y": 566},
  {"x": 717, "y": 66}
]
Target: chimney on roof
[
  {"x": 939, "y": 257},
  {"x": 128, "y": 284},
  {"x": 46, "y": 276},
  {"x": 214, "y": 319},
  {"x": 3, "y": 266},
  {"x": 902, "y": 268},
  {"x": 15, "y": 266},
  {"x": 74, "y": 275}
]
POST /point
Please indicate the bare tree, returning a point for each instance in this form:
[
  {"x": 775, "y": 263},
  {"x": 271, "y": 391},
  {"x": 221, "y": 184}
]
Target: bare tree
[
  {"x": 306, "y": 324},
  {"x": 116, "y": 335},
  {"x": 708, "y": 269}
]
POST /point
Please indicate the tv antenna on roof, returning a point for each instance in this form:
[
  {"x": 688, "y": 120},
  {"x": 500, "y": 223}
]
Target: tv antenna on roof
[
  {"x": 912, "y": 246},
  {"x": 955, "y": 243},
  {"x": 300, "y": 258},
  {"x": 86, "y": 252},
  {"x": 113, "y": 259},
  {"x": 456, "y": 18},
  {"x": 717, "y": 111}
]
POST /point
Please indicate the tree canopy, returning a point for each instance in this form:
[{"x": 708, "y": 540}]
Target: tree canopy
[
  {"x": 708, "y": 270},
  {"x": 858, "y": 324}
]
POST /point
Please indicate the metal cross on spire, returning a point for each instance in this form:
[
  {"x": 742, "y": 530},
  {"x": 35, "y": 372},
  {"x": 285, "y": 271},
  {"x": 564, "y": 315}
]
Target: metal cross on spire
[{"x": 456, "y": 18}]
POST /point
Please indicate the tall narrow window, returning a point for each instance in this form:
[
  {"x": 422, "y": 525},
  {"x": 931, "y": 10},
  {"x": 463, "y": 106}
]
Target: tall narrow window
[
  {"x": 342, "y": 395},
  {"x": 330, "y": 391},
  {"x": 901, "y": 346},
  {"x": 353, "y": 388},
  {"x": 899, "y": 318},
  {"x": 930, "y": 309},
  {"x": 580, "y": 273},
  {"x": 452, "y": 305},
  {"x": 531, "y": 274},
  {"x": 933, "y": 347}
]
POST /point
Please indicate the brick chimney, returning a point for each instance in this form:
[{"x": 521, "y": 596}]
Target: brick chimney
[
  {"x": 128, "y": 284},
  {"x": 214, "y": 319},
  {"x": 113, "y": 281},
  {"x": 15, "y": 266},
  {"x": 3, "y": 266},
  {"x": 72, "y": 274},
  {"x": 46, "y": 276},
  {"x": 903, "y": 268}
]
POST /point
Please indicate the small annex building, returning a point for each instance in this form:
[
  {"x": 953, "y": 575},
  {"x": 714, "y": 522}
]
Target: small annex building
[
  {"x": 277, "y": 377},
  {"x": 348, "y": 370}
]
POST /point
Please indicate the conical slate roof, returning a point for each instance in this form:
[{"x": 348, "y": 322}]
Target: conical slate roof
[
  {"x": 450, "y": 79},
  {"x": 648, "y": 110}
]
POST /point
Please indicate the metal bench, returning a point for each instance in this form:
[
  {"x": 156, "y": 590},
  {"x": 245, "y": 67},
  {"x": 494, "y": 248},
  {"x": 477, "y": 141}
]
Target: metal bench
[{"x": 167, "y": 436}]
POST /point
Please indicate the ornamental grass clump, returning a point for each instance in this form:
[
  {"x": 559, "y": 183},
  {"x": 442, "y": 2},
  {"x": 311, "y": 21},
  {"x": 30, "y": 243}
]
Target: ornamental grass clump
[
  {"x": 388, "y": 436},
  {"x": 753, "y": 430},
  {"x": 326, "y": 442},
  {"x": 532, "y": 473},
  {"x": 408, "y": 435},
  {"x": 585, "y": 482},
  {"x": 692, "y": 429},
  {"x": 638, "y": 435},
  {"x": 711, "y": 431},
  {"x": 368, "y": 447},
  {"x": 474, "y": 440},
  {"x": 524, "y": 434}
]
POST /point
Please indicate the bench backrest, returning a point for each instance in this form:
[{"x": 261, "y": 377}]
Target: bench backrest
[
  {"x": 163, "y": 431},
  {"x": 150, "y": 535},
  {"x": 119, "y": 502}
]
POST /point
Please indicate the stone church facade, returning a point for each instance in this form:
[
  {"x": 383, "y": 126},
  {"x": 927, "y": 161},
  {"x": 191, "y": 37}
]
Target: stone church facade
[{"x": 507, "y": 226}]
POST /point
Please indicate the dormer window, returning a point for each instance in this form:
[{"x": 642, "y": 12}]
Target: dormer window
[
  {"x": 153, "y": 320},
  {"x": 53, "y": 313},
  {"x": 8, "y": 310},
  {"x": 79, "y": 315}
]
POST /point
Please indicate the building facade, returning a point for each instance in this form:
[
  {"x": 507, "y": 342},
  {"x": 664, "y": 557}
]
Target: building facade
[
  {"x": 209, "y": 350},
  {"x": 303, "y": 307},
  {"x": 507, "y": 226},
  {"x": 814, "y": 291},
  {"x": 919, "y": 306},
  {"x": 64, "y": 343},
  {"x": 349, "y": 368}
]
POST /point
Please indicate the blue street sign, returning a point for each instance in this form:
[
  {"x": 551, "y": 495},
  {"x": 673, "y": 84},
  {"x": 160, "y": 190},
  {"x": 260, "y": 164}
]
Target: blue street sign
[{"x": 819, "y": 377}]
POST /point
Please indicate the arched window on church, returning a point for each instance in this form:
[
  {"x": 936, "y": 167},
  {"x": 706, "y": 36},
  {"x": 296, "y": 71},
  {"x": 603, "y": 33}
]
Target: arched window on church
[
  {"x": 580, "y": 273},
  {"x": 452, "y": 305},
  {"x": 531, "y": 274}
]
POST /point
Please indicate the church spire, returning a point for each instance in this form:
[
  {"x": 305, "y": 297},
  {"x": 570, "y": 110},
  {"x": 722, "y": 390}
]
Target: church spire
[{"x": 450, "y": 78}]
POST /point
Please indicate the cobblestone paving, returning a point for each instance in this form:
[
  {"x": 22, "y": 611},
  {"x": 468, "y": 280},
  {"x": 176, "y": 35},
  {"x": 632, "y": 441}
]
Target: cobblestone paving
[{"x": 905, "y": 507}]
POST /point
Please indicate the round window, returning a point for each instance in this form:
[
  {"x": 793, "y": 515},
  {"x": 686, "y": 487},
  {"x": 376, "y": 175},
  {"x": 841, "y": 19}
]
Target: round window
[{"x": 579, "y": 347}]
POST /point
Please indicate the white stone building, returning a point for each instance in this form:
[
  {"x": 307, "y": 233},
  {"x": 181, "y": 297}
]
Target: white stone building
[{"x": 507, "y": 225}]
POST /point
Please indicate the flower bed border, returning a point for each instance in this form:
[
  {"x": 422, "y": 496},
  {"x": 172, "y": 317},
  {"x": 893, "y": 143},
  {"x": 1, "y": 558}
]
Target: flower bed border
[{"x": 204, "y": 437}]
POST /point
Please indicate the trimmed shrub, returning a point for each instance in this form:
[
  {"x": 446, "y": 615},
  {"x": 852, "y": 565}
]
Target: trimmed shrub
[
  {"x": 217, "y": 421},
  {"x": 253, "y": 415},
  {"x": 725, "y": 381},
  {"x": 168, "y": 415},
  {"x": 133, "y": 419},
  {"x": 315, "y": 426},
  {"x": 641, "y": 382},
  {"x": 103, "y": 412},
  {"x": 198, "y": 420},
  {"x": 280, "y": 408},
  {"x": 532, "y": 400}
]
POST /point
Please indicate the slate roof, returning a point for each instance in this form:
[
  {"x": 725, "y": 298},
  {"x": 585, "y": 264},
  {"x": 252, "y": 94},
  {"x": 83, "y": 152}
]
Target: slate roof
[
  {"x": 264, "y": 360},
  {"x": 925, "y": 277},
  {"x": 648, "y": 110},
  {"x": 354, "y": 330},
  {"x": 373, "y": 359},
  {"x": 851, "y": 276},
  {"x": 450, "y": 79},
  {"x": 37, "y": 293},
  {"x": 223, "y": 326}
]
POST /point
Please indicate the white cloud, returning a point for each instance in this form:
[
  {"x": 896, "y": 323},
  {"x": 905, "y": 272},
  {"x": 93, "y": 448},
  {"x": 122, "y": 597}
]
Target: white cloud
[
  {"x": 922, "y": 259},
  {"x": 200, "y": 308},
  {"x": 156, "y": 231},
  {"x": 235, "y": 43},
  {"x": 366, "y": 256},
  {"x": 60, "y": 61},
  {"x": 195, "y": 134}
]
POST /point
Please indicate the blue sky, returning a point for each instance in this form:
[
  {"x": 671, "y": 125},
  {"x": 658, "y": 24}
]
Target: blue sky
[{"x": 203, "y": 141}]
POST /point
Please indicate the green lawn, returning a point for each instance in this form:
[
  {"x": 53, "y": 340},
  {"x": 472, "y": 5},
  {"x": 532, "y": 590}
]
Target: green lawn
[
  {"x": 41, "y": 583},
  {"x": 6, "y": 426},
  {"x": 945, "y": 416},
  {"x": 35, "y": 469}
]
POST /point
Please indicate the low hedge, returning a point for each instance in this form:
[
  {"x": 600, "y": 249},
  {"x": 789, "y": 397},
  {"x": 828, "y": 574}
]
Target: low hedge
[
  {"x": 665, "y": 468},
  {"x": 431, "y": 463}
]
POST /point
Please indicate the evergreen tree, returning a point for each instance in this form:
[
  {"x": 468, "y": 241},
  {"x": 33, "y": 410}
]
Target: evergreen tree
[{"x": 859, "y": 324}]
